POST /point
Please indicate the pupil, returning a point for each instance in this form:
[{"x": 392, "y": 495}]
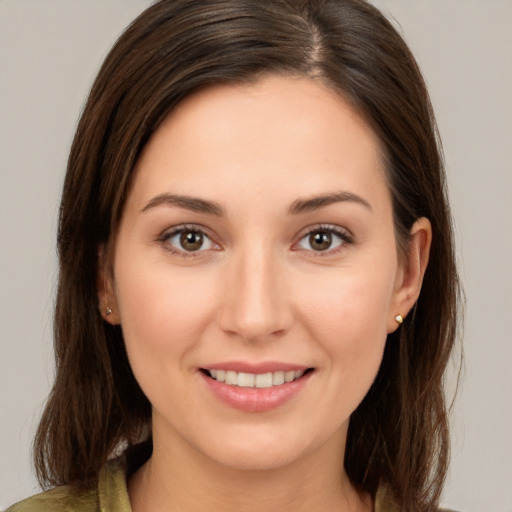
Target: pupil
[
  {"x": 191, "y": 240},
  {"x": 320, "y": 241}
]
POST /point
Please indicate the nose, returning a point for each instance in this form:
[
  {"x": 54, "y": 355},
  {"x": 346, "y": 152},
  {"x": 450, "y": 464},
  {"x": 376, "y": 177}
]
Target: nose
[{"x": 255, "y": 305}]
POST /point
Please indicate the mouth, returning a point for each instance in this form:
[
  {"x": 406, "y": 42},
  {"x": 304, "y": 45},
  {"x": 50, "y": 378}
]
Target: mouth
[
  {"x": 259, "y": 388},
  {"x": 255, "y": 380}
]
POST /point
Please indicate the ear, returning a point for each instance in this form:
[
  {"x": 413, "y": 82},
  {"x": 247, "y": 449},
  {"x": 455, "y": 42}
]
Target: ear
[
  {"x": 107, "y": 302},
  {"x": 411, "y": 272}
]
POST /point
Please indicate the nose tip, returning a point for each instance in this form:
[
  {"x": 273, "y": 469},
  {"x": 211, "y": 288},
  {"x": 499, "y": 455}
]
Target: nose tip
[
  {"x": 254, "y": 328},
  {"x": 255, "y": 305}
]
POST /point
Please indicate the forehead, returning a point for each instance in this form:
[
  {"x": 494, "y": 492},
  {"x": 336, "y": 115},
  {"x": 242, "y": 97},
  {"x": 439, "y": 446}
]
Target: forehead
[{"x": 286, "y": 134}]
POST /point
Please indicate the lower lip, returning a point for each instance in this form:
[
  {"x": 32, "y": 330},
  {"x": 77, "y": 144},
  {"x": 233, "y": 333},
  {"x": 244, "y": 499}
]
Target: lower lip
[{"x": 256, "y": 399}]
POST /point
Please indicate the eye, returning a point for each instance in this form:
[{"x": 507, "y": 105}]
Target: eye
[
  {"x": 325, "y": 239},
  {"x": 188, "y": 240}
]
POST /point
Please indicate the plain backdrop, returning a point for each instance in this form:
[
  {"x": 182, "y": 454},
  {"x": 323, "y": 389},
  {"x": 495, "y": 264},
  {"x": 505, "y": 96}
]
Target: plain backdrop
[{"x": 50, "y": 51}]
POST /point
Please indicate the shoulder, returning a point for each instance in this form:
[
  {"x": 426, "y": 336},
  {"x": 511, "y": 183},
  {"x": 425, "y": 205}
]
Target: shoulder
[
  {"x": 110, "y": 494},
  {"x": 60, "y": 499}
]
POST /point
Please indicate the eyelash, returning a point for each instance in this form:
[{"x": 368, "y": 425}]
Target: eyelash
[
  {"x": 343, "y": 236},
  {"x": 179, "y": 230}
]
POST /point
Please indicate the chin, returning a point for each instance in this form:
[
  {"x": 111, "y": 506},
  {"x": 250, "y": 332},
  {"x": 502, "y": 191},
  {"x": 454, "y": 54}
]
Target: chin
[
  {"x": 260, "y": 451},
  {"x": 269, "y": 458}
]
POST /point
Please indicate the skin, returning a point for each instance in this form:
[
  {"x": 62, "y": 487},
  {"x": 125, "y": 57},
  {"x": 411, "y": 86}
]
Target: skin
[{"x": 257, "y": 291}]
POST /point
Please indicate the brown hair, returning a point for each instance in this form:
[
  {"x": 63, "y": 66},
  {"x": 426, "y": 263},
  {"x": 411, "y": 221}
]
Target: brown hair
[{"x": 398, "y": 435}]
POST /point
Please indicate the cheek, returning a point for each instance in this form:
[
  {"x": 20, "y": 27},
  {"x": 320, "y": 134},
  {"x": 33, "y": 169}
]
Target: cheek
[
  {"x": 162, "y": 312},
  {"x": 347, "y": 304},
  {"x": 346, "y": 313}
]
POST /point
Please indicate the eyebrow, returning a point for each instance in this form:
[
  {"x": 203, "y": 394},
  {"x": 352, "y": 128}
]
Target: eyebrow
[
  {"x": 314, "y": 203},
  {"x": 193, "y": 204},
  {"x": 196, "y": 204}
]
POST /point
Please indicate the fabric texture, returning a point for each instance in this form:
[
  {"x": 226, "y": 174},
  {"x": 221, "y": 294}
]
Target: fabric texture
[{"x": 111, "y": 495}]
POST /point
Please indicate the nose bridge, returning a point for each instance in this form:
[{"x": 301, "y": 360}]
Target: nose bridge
[{"x": 256, "y": 304}]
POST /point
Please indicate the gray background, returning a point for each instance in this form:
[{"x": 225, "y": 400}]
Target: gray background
[{"x": 50, "y": 51}]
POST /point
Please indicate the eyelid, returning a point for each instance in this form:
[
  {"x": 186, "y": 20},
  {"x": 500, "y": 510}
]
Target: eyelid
[
  {"x": 343, "y": 234},
  {"x": 167, "y": 234}
]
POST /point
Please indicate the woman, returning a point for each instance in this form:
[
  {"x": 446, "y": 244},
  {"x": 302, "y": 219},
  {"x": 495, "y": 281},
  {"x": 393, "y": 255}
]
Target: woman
[{"x": 267, "y": 293}]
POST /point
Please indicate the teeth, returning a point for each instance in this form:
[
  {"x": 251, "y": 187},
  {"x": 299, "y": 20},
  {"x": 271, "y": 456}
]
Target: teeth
[
  {"x": 255, "y": 380},
  {"x": 263, "y": 380},
  {"x": 289, "y": 376},
  {"x": 277, "y": 378},
  {"x": 231, "y": 378},
  {"x": 245, "y": 380}
]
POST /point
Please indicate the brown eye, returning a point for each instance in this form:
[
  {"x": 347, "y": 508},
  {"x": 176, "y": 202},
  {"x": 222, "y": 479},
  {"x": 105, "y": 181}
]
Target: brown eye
[
  {"x": 187, "y": 240},
  {"x": 324, "y": 240},
  {"x": 191, "y": 240},
  {"x": 320, "y": 241}
]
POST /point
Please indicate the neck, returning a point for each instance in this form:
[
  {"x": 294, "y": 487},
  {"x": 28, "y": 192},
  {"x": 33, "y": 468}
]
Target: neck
[{"x": 178, "y": 478}]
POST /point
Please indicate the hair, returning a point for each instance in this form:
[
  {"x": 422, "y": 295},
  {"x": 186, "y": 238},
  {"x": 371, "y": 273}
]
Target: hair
[{"x": 398, "y": 436}]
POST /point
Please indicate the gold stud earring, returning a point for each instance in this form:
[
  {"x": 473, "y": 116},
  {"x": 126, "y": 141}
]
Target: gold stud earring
[{"x": 399, "y": 320}]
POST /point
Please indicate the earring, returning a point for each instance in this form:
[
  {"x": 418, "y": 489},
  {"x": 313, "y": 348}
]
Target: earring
[
  {"x": 108, "y": 311},
  {"x": 399, "y": 320}
]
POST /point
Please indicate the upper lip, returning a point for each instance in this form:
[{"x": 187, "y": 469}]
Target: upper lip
[{"x": 256, "y": 368}]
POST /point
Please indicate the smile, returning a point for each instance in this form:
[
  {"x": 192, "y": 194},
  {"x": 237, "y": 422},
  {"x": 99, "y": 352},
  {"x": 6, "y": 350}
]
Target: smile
[
  {"x": 259, "y": 388},
  {"x": 254, "y": 380}
]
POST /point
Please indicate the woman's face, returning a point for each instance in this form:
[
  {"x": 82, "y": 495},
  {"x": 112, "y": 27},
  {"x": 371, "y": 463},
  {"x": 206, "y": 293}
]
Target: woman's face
[{"x": 257, "y": 243}]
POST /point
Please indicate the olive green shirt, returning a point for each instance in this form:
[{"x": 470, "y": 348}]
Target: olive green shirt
[{"x": 111, "y": 495}]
